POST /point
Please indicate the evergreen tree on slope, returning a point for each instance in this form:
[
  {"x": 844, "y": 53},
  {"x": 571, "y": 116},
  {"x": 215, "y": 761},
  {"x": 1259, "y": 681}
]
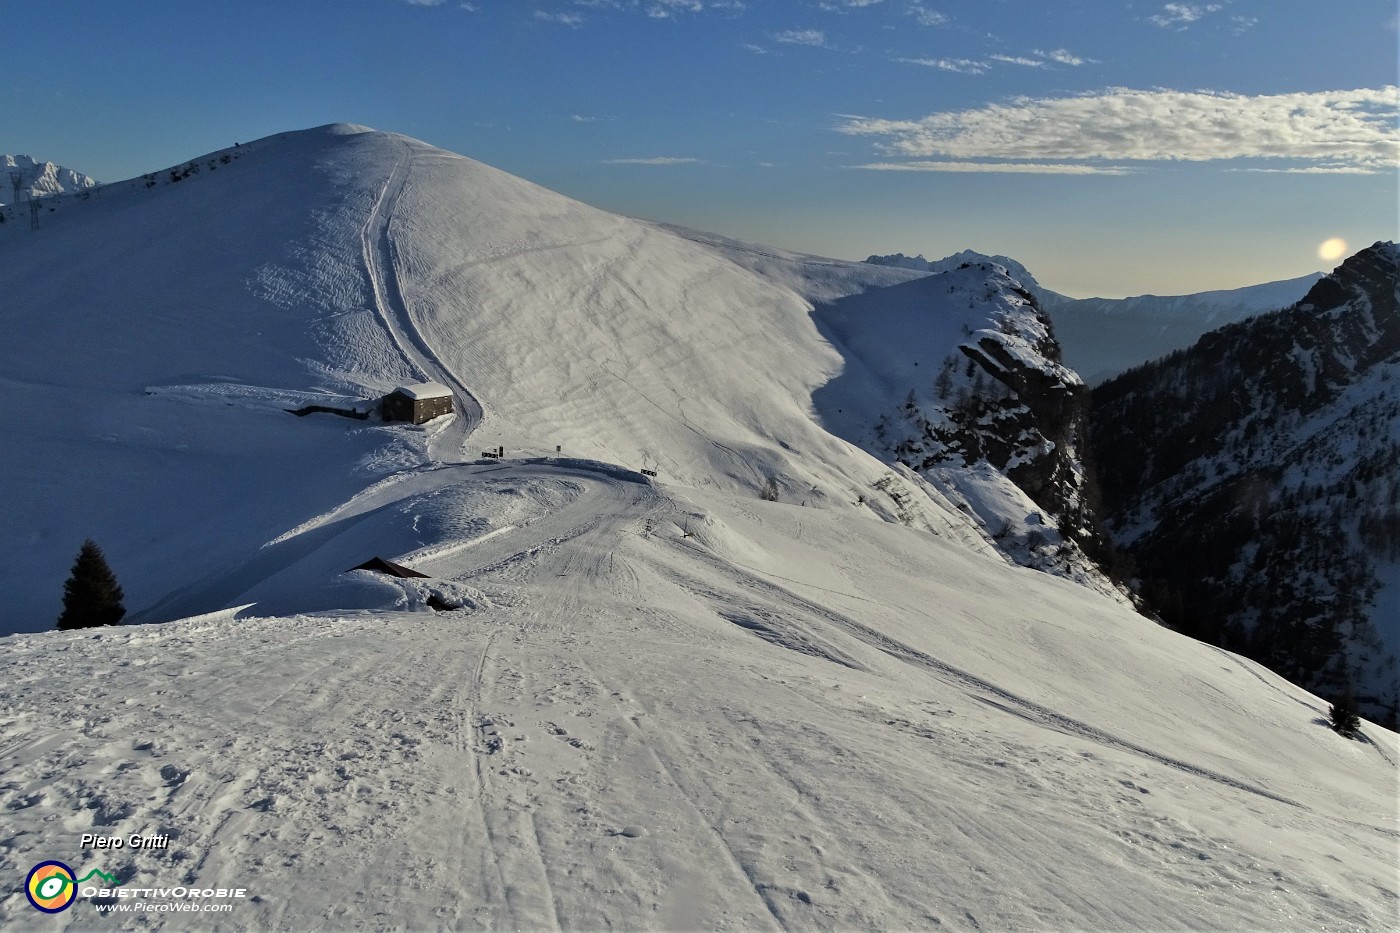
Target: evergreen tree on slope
[{"x": 91, "y": 596}]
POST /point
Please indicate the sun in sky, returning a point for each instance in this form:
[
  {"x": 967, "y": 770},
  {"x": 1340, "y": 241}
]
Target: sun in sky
[{"x": 1333, "y": 249}]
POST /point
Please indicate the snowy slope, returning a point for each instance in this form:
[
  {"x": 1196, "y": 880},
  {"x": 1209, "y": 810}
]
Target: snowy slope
[
  {"x": 164, "y": 324},
  {"x": 792, "y": 718},
  {"x": 614, "y": 701},
  {"x": 816, "y": 278}
]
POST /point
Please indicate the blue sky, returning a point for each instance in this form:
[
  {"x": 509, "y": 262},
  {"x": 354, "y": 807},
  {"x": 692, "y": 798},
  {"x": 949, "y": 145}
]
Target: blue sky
[{"x": 1113, "y": 147}]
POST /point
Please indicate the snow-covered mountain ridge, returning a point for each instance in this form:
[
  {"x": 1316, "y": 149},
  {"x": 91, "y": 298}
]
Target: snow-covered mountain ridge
[
  {"x": 1102, "y": 337},
  {"x": 371, "y": 260},
  {"x": 613, "y": 700},
  {"x": 38, "y": 179},
  {"x": 1254, "y": 477},
  {"x": 974, "y": 394}
]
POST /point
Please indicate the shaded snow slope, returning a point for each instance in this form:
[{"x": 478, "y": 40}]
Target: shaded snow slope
[
  {"x": 957, "y": 376},
  {"x": 1017, "y": 271},
  {"x": 792, "y": 718}
]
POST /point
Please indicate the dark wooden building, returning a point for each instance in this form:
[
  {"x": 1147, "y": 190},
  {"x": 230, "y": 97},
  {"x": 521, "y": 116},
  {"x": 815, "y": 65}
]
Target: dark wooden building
[
  {"x": 380, "y": 565},
  {"x": 420, "y": 402}
]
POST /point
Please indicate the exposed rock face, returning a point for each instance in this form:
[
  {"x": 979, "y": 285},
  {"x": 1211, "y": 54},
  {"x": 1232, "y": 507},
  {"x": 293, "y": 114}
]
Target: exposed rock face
[
  {"x": 1002, "y": 399},
  {"x": 1255, "y": 477}
]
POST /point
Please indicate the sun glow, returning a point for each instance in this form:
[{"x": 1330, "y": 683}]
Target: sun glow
[{"x": 1332, "y": 249}]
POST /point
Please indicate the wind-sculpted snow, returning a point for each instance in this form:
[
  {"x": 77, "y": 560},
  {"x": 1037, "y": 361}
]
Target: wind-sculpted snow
[{"x": 682, "y": 710}]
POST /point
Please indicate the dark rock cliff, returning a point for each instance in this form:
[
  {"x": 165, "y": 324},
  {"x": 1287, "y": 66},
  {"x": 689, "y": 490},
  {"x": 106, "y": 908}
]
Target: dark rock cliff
[{"x": 1255, "y": 479}]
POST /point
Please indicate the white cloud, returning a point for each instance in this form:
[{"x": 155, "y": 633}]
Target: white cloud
[
  {"x": 1019, "y": 60},
  {"x": 756, "y": 49},
  {"x": 665, "y": 9},
  {"x": 926, "y": 17},
  {"x": 563, "y": 19},
  {"x": 841, "y": 6},
  {"x": 424, "y": 2},
  {"x": 1064, "y": 57},
  {"x": 1180, "y": 15},
  {"x": 656, "y": 160},
  {"x": 972, "y": 66},
  {"x": 1019, "y": 168},
  {"x": 580, "y": 118},
  {"x": 469, "y": 7},
  {"x": 1353, "y": 129},
  {"x": 1311, "y": 170},
  {"x": 960, "y": 65},
  {"x": 812, "y": 37}
]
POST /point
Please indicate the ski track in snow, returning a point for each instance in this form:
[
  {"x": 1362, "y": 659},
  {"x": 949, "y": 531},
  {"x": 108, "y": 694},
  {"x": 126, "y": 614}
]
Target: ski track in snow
[{"x": 393, "y": 311}]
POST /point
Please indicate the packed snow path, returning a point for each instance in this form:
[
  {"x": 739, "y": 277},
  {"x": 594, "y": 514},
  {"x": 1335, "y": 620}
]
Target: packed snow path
[
  {"x": 748, "y": 728},
  {"x": 398, "y": 320}
]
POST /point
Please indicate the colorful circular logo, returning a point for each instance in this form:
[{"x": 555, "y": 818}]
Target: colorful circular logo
[{"x": 50, "y": 887}]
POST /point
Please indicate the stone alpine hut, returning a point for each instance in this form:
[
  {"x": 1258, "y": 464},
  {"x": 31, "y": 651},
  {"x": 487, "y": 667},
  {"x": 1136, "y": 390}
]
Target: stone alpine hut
[{"x": 419, "y": 402}]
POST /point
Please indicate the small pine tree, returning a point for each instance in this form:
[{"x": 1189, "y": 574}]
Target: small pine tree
[
  {"x": 91, "y": 596},
  {"x": 770, "y": 490},
  {"x": 1345, "y": 719}
]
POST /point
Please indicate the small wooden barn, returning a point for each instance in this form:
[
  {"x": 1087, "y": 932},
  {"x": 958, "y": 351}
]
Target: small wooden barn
[
  {"x": 380, "y": 565},
  {"x": 419, "y": 402}
]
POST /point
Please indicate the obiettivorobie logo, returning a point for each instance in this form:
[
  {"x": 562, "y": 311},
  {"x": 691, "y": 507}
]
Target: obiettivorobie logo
[{"x": 52, "y": 886}]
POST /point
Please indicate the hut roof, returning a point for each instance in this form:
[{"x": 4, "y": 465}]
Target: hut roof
[
  {"x": 422, "y": 390},
  {"x": 380, "y": 565}
]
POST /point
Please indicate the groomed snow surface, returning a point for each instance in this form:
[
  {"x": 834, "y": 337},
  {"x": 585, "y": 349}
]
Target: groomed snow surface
[
  {"x": 790, "y": 718},
  {"x": 659, "y": 703}
]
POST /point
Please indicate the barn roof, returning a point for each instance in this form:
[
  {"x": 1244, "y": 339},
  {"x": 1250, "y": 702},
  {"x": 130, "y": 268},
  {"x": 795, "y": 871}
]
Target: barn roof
[
  {"x": 380, "y": 565},
  {"x": 422, "y": 390}
]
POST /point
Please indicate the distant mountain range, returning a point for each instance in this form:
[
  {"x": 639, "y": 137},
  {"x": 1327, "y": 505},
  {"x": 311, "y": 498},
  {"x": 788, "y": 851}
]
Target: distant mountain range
[
  {"x": 1105, "y": 336},
  {"x": 38, "y": 179}
]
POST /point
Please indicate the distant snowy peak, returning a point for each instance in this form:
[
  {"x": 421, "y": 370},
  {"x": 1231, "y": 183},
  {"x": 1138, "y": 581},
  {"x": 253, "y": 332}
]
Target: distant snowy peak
[
  {"x": 39, "y": 179},
  {"x": 1013, "y": 268},
  {"x": 1102, "y": 337},
  {"x": 957, "y": 376},
  {"x": 1221, "y": 306}
]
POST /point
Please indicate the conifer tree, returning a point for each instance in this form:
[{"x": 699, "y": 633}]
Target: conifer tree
[
  {"x": 1345, "y": 719},
  {"x": 91, "y": 596}
]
